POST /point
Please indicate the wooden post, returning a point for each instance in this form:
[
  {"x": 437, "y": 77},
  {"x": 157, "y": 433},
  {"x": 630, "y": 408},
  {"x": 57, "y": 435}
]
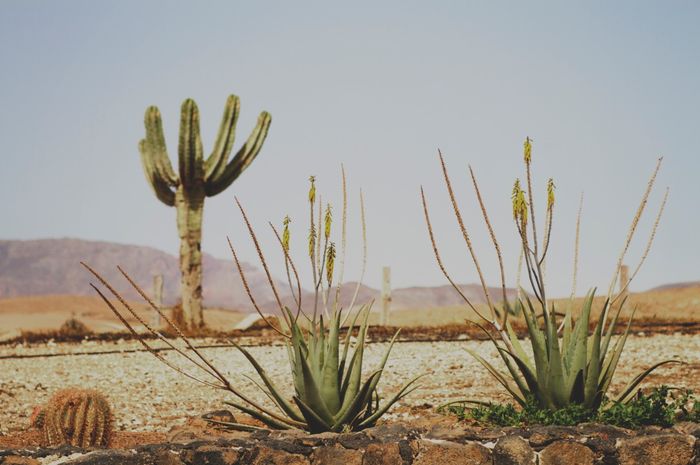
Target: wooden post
[
  {"x": 157, "y": 297},
  {"x": 624, "y": 277},
  {"x": 386, "y": 295}
]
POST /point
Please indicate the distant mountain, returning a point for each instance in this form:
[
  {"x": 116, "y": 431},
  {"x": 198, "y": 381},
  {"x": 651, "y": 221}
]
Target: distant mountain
[
  {"x": 52, "y": 267},
  {"x": 676, "y": 286}
]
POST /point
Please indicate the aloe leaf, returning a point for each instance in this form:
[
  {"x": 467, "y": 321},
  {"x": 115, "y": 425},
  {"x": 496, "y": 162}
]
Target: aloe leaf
[
  {"x": 578, "y": 349},
  {"x": 611, "y": 328},
  {"x": 312, "y": 394},
  {"x": 403, "y": 392},
  {"x": 330, "y": 391},
  {"x": 594, "y": 367},
  {"x": 512, "y": 369},
  {"x": 351, "y": 384},
  {"x": 532, "y": 382},
  {"x": 273, "y": 390},
  {"x": 348, "y": 412},
  {"x": 314, "y": 423},
  {"x": 610, "y": 364},
  {"x": 241, "y": 426},
  {"x": 513, "y": 389},
  {"x": 264, "y": 416},
  {"x": 517, "y": 347},
  {"x": 631, "y": 389},
  {"x": 385, "y": 358}
]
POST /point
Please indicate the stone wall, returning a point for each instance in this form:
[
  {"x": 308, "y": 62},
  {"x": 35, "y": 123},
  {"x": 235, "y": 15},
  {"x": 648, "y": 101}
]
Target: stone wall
[{"x": 403, "y": 444}]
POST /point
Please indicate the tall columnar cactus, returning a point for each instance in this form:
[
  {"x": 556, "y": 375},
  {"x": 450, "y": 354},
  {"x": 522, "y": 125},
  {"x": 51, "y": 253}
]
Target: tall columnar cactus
[
  {"x": 79, "y": 417},
  {"x": 198, "y": 178}
]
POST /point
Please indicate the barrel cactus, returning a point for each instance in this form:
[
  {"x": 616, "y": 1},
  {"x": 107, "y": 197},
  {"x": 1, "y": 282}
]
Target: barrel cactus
[
  {"x": 198, "y": 178},
  {"x": 79, "y": 417}
]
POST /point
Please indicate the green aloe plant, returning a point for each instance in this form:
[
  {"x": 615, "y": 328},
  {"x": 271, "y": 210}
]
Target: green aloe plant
[
  {"x": 568, "y": 366},
  {"x": 331, "y": 390}
]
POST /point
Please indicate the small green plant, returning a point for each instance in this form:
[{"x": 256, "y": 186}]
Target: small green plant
[
  {"x": 663, "y": 406},
  {"x": 77, "y": 417},
  {"x": 569, "y": 366},
  {"x": 332, "y": 391}
]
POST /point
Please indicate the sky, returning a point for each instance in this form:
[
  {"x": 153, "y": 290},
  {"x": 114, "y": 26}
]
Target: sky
[{"x": 602, "y": 88}]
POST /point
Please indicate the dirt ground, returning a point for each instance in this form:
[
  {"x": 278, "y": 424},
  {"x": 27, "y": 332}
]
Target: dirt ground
[{"x": 149, "y": 397}]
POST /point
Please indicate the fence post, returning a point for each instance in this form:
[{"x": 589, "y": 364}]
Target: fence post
[
  {"x": 157, "y": 297},
  {"x": 386, "y": 295}
]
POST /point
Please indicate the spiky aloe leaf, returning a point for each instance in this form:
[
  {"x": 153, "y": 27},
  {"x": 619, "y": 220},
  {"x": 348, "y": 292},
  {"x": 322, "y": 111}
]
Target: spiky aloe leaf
[
  {"x": 354, "y": 407},
  {"x": 330, "y": 391},
  {"x": 312, "y": 394},
  {"x": 273, "y": 390},
  {"x": 403, "y": 392},
  {"x": 513, "y": 389},
  {"x": 315, "y": 424},
  {"x": 631, "y": 389},
  {"x": 264, "y": 417}
]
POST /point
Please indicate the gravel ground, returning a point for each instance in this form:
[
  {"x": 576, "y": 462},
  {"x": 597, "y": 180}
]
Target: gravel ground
[{"x": 148, "y": 396}]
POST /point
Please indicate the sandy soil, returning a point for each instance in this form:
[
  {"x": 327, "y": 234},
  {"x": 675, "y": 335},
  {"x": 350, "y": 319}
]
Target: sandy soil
[{"x": 148, "y": 396}]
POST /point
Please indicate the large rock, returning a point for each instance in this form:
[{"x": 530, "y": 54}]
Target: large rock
[
  {"x": 566, "y": 453},
  {"x": 666, "y": 449},
  {"x": 513, "y": 450},
  {"x": 383, "y": 454},
  {"x": 432, "y": 452},
  {"x": 336, "y": 454}
]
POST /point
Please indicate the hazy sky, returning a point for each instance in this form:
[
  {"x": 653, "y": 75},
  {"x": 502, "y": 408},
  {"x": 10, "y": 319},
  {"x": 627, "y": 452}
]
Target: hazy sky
[{"x": 603, "y": 88}]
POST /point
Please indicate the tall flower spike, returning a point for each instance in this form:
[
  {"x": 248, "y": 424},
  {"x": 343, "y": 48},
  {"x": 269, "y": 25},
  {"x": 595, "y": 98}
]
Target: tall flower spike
[
  {"x": 519, "y": 203},
  {"x": 312, "y": 189},
  {"x": 550, "y": 193},
  {"x": 312, "y": 240},
  {"x": 330, "y": 262},
  {"x": 285, "y": 232},
  {"x": 527, "y": 146},
  {"x": 327, "y": 221}
]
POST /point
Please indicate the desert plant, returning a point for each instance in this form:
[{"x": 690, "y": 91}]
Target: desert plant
[
  {"x": 78, "y": 417},
  {"x": 198, "y": 178},
  {"x": 73, "y": 327},
  {"x": 569, "y": 366},
  {"x": 330, "y": 391}
]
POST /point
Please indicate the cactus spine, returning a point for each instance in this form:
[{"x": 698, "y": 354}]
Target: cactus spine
[
  {"x": 198, "y": 178},
  {"x": 79, "y": 417}
]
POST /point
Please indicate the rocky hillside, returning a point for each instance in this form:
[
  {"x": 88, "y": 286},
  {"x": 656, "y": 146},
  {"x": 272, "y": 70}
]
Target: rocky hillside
[{"x": 52, "y": 267}]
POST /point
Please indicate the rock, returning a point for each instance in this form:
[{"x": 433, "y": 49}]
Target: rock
[
  {"x": 336, "y": 455},
  {"x": 166, "y": 457},
  {"x": 18, "y": 460},
  {"x": 432, "y": 452},
  {"x": 566, "y": 453},
  {"x": 544, "y": 435},
  {"x": 383, "y": 454},
  {"x": 210, "y": 455},
  {"x": 108, "y": 457},
  {"x": 220, "y": 415},
  {"x": 353, "y": 440},
  {"x": 392, "y": 432},
  {"x": 667, "y": 449},
  {"x": 513, "y": 450},
  {"x": 267, "y": 456}
]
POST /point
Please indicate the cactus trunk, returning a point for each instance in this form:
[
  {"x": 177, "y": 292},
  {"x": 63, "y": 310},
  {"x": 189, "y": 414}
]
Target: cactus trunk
[{"x": 190, "y": 209}]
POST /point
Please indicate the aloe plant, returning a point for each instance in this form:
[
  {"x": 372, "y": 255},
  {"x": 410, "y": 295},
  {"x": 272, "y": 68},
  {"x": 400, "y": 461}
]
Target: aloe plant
[
  {"x": 332, "y": 392},
  {"x": 568, "y": 365}
]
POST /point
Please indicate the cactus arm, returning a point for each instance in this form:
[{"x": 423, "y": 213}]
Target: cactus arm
[
  {"x": 243, "y": 158},
  {"x": 216, "y": 162},
  {"x": 155, "y": 143},
  {"x": 159, "y": 185},
  {"x": 190, "y": 146}
]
